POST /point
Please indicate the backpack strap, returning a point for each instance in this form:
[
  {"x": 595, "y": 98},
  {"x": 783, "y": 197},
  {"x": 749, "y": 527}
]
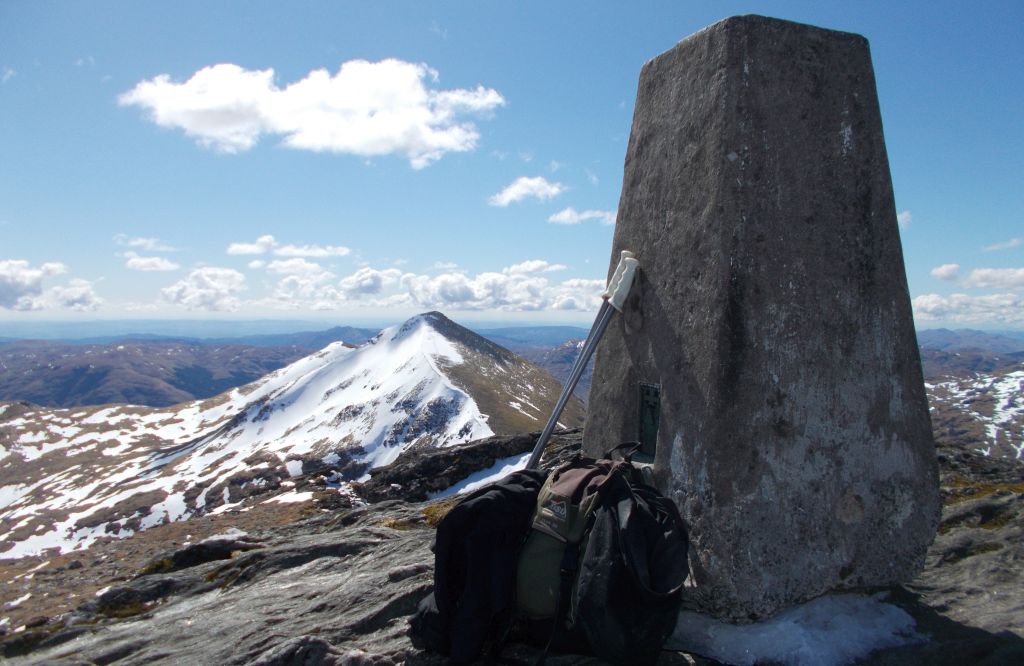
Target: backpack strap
[
  {"x": 567, "y": 575},
  {"x": 624, "y": 451}
]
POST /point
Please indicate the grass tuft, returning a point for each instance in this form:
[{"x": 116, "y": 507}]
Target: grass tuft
[{"x": 435, "y": 513}]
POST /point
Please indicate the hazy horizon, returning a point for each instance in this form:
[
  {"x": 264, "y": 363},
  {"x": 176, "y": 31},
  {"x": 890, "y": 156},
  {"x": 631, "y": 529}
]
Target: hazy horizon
[{"x": 232, "y": 328}]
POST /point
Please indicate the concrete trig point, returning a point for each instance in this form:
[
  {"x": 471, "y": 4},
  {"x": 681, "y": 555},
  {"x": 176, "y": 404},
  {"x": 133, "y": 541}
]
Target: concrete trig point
[{"x": 767, "y": 351}]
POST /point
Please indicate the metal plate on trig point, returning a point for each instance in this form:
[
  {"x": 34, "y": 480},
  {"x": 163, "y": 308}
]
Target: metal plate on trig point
[{"x": 649, "y": 418}]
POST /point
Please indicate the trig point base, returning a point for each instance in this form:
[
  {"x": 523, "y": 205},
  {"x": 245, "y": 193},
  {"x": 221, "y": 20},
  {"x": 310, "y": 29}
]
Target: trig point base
[{"x": 766, "y": 355}]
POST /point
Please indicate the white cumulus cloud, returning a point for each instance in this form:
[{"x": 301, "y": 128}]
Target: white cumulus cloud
[
  {"x": 318, "y": 251},
  {"x": 262, "y": 245},
  {"x": 573, "y": 216},
  {"x": 999, "y": 278},
  {"x": 303, "y": 285},
  {"x": 297, "y": 266},
  {"x": 533, "y": 266},
  {"x": 946, "y": 271},
  {"x": 368, "y": 280},
  {"x": 525, "y": 187},
  {"x": 21, "y": 288},
  {"x": 138, "y": 263},
  {"x": 77, "y": 294},
  {"x": 208, "y": 288},
  {"x": 510, "y": 291},
  {"x": 1000, "y": 309},
  {"x": 366, "y": 108},
  {"x": 21, "y": 284}
]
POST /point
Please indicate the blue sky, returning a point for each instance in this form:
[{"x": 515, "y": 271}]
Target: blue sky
[{"x": 352, "y": 162}]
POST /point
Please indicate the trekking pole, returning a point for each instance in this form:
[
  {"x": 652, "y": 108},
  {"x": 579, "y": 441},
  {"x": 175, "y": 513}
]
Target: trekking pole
[{"x": 614, "y": 296}]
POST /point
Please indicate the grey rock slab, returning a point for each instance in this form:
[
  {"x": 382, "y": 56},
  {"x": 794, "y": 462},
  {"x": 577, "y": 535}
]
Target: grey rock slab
[
  {"x": 351, "y": 583},
  {"x": 772, "y": 313},
  {"x": 974, "y": 571}
]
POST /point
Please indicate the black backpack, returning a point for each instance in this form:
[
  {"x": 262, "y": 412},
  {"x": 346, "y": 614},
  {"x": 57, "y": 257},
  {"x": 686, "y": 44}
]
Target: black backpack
[
  {"x": 594, "y": 566},
  {"x": 475, "y": 550}
]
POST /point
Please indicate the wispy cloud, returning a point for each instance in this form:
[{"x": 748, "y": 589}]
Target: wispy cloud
[
  {"x": 209, "y": 288},
  {"x": 1006, "y": 245},
  {"x": 572, "y": 216},
  {"x": 904, "y": 218},
  {"x": 138, "y": 263},
  {"x": 946, "y": 271},
  {"x": 268, "y": 244},
  {"x": 436, "y": 29},
  {"x": 8, "y": 74},
  {"x": 525, "y": 187},
  {"x": 367, "y": 109},
  {"x": 148, "y": 244}
]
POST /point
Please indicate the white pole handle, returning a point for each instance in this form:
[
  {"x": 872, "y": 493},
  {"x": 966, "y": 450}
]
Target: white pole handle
[{"x": 622, "y": 280}]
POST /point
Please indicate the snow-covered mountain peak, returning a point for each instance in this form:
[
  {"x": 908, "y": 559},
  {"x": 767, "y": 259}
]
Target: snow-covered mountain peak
[
  {"x": 424, "y": 334},
  {"x": 68, "y": 477}
]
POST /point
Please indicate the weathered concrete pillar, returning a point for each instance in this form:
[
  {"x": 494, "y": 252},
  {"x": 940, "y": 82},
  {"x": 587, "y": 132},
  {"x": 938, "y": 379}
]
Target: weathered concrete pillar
[{"x": 769, "y": 340}]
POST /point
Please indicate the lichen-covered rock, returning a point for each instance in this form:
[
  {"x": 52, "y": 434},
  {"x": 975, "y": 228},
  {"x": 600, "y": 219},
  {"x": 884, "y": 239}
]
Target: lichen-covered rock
[{"x": 773, "y": 315}]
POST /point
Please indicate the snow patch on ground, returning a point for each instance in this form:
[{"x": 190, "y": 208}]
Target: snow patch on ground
[
  {"x": 479, "y": 479},
  {"x": 829, "y": 631},
  {"x": 10, "y": 494},
  {"x": 19, "y": 601},
  {"x": 228, "y": 535},
  {"x": 290, "y": 497}
]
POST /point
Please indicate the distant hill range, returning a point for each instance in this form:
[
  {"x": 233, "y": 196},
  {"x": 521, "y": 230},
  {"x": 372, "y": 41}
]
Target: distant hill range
[
  {"x": 308, "y": 339},
  {"x": 151, "y": 370},
  {"x": 159, "y": 371},
  {"x": 944, "y": 339}
]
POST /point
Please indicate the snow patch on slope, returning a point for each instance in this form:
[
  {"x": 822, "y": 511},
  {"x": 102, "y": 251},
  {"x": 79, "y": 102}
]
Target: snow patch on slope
[{"x": 996, "y": 402}]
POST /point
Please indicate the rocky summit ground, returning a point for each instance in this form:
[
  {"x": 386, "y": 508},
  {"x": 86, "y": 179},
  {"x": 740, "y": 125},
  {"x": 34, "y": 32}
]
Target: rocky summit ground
[{"x": 334, "y": 580}]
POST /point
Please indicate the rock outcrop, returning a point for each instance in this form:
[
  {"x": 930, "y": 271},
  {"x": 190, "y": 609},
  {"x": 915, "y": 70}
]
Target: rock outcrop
[{"x": 771, "y": 319}]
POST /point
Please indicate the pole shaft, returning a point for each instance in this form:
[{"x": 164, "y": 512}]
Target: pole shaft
[{"x": 600, "y": 324}]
